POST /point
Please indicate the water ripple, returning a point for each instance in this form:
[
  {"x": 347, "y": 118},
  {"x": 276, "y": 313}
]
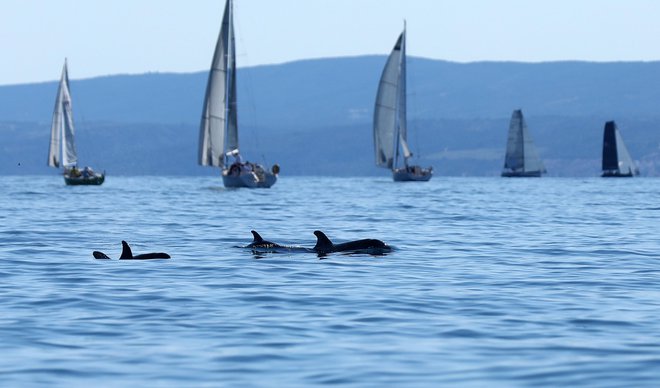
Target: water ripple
[{"x": 493, "y": 283}]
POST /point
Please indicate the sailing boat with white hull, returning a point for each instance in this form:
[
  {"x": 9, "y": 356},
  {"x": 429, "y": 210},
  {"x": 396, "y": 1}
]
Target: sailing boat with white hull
[
  {"x": 522, "y": 159},
  {"x": 218, "y": 138},
  {"x": 62, "y": 151},
  {"x": 616, "y": 158},
  {"x": 390, "y": 126}
]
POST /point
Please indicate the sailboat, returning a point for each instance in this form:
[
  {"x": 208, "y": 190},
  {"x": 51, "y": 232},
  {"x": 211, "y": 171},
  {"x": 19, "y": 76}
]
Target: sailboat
[
  {"x": 218, "y": 138},
  {"x": 616, "y": 159},
  {"x": 522, "y": 159},
  {"x": 62, "y": 151},
  {"x": 390, "y": 126}
]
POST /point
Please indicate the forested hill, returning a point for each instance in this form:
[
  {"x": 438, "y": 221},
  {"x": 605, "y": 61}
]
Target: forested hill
[{"x": 314, "y": 116}]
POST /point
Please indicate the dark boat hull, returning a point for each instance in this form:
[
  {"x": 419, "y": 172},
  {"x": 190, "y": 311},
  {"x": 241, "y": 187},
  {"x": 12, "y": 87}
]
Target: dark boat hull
[
  {"x": 257, "y": 178},
  {"x": 609, "y": 174},
  {"x": 412, "y": 174},
  {"x": 84, "y": 181},
  {"x": 519, "y": 174}
]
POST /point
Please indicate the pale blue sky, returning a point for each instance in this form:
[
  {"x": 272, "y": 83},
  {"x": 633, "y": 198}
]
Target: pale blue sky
[{"x": 103, "y": 37}]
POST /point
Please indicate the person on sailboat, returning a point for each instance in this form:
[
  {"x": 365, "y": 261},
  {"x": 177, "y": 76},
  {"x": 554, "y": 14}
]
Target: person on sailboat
[
  {"x": 87, "y": 172},
  {"x": 236, "y": 155},
  {"x": 238, "y": 165},
  {"x": 74, "y": 172}
]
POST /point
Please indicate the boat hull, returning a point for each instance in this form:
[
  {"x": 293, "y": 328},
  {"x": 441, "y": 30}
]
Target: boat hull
[
  {"x": 412, "y": 174},
  {"x": 521, "y": 174},
  {"x": 95, "y": 180},
  {"x": 610, "y": 174},
  {"x": 249, "y": 179}
]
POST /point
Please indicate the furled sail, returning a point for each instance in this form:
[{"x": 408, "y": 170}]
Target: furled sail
[
  {"x": 62, "y": 151},
  {"x": 390, "y": 109},
  {"x": 615, "y": 154},
  {"x": 521, "y": 154},
  {"x": 219, "y": 126}
]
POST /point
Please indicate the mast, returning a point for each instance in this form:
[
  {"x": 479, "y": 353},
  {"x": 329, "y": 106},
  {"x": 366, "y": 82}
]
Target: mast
[
  {"x": 400, "y": 119},
  {"x": 523, "y": 139},
  {"x": 225, "y": 129},
  {"x": 402, "y": 103}
]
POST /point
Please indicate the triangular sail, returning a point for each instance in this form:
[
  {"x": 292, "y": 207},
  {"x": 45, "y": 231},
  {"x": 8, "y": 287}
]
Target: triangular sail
[
  {"x": 610, "y": 158},
  {"x": 219, "y": 126},
  {"x": 62, "y": 151},
  {"x": 615, "y": 154},
  {"x": 626, "y": 164},
  {"x": 390, "y": 109},
  {"x": 521, "y": 154}
]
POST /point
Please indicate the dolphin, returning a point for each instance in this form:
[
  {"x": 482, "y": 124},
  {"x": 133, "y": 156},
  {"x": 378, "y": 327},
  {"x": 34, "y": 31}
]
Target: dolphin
[
  {"x": 259, "y": 242},
  {"x": 367, "y": 245},
  {"x": 127, "y": 254},
  {"x": 259, "y": 246}
]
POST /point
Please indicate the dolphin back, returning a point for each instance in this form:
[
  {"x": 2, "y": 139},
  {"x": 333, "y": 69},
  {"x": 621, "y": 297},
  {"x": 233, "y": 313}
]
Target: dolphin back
[
  {"x": 100, "y": 255},
  {"x": 367, "y": 245},
  {"x": 155, "y": 255},
  {"x": 127, "y": 254},
  {"x": 364, "y": 244}
]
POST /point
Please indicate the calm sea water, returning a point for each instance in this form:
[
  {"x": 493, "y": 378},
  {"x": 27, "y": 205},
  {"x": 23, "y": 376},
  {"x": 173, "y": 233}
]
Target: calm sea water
[{"x": 494, "y": 282}]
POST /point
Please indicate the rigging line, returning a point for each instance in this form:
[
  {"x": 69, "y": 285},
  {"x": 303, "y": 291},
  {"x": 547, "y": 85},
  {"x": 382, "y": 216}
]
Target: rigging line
[
  {"x": 418, "y": 151},
  {"x": 254, "y": 128}
]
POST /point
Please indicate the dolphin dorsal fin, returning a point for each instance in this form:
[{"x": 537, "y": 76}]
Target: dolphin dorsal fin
[
  {"x": 126, "y": 252},
  {"x": 100, "y": 255},
  {"x": 257, "y": 237},
  {"x": 322, "y": 241}
]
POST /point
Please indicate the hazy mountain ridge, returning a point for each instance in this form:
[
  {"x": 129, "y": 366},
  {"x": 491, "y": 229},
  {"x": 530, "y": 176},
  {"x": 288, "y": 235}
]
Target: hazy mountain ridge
[{"x": 314, "y": 116}]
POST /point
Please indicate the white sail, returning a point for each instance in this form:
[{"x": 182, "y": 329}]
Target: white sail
[
  {"x": 219, "y": 126},
  {"x": 390, "y": 109},
  {"x": 62, "y": 151},
  {"x": 521, "y": 154},
  {"x": 404, "y": 146},
  {"x": 625, "y": 162}
]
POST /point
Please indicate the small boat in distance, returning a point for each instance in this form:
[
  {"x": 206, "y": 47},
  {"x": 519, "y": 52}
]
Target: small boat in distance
[
  {"x": 218, "y": 137},
  {"x": 390, "y": 126},
  {"x": 616, "y": 159},
  {"x": 62, "y": 151},
  {"x": 522, "y": 159}
]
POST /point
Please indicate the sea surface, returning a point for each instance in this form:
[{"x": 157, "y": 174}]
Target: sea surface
[{"x": 493, "y": 282}]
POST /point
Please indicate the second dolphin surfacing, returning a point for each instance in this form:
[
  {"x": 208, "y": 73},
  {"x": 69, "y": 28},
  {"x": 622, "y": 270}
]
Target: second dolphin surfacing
[
  {"x": 127, "y": 254},
  {"x": 259, "y": 245},
  {"x": 367, "y": 245}
]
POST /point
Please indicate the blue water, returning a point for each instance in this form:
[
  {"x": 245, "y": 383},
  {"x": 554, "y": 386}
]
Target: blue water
[{"x": 494, "y": 282}]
